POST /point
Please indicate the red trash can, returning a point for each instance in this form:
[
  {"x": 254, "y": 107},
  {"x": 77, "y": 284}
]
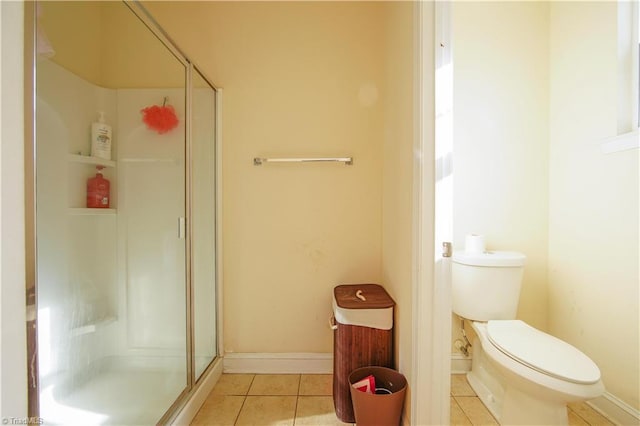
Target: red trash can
[{"x": 363, "y": 336}]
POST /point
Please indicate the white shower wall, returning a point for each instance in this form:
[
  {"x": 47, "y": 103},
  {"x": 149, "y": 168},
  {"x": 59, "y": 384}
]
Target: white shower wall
[
  {"x": 75, "y": 293},
  {"x": 112, "y": 286},
  {"x": 151, "y": 187}
]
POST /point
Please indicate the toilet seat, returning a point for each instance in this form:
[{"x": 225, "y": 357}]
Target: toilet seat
[{"x": 541, "y": 352}]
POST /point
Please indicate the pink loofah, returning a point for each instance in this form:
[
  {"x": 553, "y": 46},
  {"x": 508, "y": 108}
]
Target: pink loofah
[{"x": 160, "y": 118}]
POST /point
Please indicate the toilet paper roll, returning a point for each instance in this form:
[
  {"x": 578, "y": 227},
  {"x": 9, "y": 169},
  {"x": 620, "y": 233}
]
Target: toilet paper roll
[{"x": 474, "y": 243}]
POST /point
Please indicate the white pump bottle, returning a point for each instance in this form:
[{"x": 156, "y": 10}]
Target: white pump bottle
[{"x": 101, "y": 138}]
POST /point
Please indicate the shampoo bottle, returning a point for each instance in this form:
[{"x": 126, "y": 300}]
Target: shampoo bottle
[
  {"x": 101, "y": 138},
  {"x": 98, "y": 191}
]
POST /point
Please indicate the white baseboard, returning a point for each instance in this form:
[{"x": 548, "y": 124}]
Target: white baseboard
[
  {"x": 460, "y": 364},
  {"x": 615, "y": 410},
  {"x": 278, "y": 363},
  {"x": 190, "y": 409}
]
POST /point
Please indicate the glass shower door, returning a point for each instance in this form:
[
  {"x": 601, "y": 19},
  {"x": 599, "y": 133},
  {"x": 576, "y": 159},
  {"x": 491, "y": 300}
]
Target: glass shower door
[
  {"x": 111, "y": 282},
  {"x": 203, "y": 213}
]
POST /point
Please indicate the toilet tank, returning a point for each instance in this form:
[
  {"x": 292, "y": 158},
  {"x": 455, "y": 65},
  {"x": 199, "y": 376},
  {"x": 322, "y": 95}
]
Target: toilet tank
[{"x": 486, "y": 286}]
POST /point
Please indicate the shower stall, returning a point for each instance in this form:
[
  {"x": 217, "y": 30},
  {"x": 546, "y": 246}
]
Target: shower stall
[{"x": 124, "y": 297}]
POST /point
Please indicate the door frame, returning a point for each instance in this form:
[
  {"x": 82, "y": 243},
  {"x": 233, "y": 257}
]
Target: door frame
[{"x": 431, "y": 367}]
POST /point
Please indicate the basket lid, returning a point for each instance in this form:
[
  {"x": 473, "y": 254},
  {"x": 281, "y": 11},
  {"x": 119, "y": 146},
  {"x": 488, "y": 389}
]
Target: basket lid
[{"x": 362, "y": 296}]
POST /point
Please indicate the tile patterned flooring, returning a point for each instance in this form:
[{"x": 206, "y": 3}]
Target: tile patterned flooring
[
  {"x": 269, "y": 399},
  {"x": 305, "y": 399}
]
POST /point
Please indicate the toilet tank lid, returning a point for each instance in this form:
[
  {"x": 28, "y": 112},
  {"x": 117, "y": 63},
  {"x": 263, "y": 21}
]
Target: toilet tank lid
[{"x": 505, "y": 259}]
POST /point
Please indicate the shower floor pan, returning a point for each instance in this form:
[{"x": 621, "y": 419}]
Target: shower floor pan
[{"x": 114, "y": 396}]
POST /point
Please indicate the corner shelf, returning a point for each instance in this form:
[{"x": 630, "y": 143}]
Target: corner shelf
[
  {"x": 84, "y": 159},
  {"x": 84, "y": 211}
]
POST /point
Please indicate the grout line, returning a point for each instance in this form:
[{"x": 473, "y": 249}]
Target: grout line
[
  {"x": 295, "y": 410},
  {"x": 244, "y": 400},
  {"x": 235, "y": 421},
  {"x": 464, "y": 412},
  {"x": 579, "y": 416}
]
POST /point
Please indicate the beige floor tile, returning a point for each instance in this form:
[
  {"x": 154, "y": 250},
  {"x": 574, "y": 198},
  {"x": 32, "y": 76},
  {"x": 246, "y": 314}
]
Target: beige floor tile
[
  {"x": 275, "y": 384},
  {"x": 457, "y": 415},
  {"x": 316, "y": 410},
  {"x": 460, "y": 386},
  {"x": 219, "y": 410},
  {"x": 589, "y": 415},
  {"x": 267, "y": 411},
  {"x": 575, "y": 420},
  {"x": 233, "y": 384},
  {"x": 316, "y": 384},
  {"x": 475, "y": 410}
]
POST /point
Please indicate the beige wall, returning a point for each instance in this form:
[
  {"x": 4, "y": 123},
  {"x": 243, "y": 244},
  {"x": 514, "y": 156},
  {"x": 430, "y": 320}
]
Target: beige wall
[
  {"x": 397, "y": 174},
  {"x": 397, "y": 183},
  {"x": 535, "y": 94},
  {"x": 61, "y": 23},
  {"x": 133, "y": 57},
  {"x": 500, "y": 56},
  {"x": 593, "y": 215},
  {"x": 107, "y": 45},
  {"x": 299, "y": 79}
]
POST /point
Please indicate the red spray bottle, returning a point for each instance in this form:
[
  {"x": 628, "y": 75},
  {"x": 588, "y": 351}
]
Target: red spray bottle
[{"x": 98, "y": 191}]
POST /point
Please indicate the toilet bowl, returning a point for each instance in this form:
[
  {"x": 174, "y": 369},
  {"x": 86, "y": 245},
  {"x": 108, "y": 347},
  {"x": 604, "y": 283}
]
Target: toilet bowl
[{"x": 525, "y": 376}]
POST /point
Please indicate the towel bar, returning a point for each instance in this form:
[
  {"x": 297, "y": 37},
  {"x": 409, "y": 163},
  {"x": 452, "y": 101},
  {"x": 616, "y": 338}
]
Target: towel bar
[{"x": 346, "y": 160}]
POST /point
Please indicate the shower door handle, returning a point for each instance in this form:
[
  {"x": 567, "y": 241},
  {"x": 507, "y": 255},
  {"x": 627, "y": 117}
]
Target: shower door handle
[{"x": 182, "y": 228}]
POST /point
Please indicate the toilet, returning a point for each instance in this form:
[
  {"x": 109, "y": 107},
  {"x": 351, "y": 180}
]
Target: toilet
[{"x": 521, "y": 374}]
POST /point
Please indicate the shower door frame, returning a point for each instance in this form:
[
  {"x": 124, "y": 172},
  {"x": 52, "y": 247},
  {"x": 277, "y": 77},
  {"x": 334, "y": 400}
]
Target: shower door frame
[{"x": 31, "y": 262}]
